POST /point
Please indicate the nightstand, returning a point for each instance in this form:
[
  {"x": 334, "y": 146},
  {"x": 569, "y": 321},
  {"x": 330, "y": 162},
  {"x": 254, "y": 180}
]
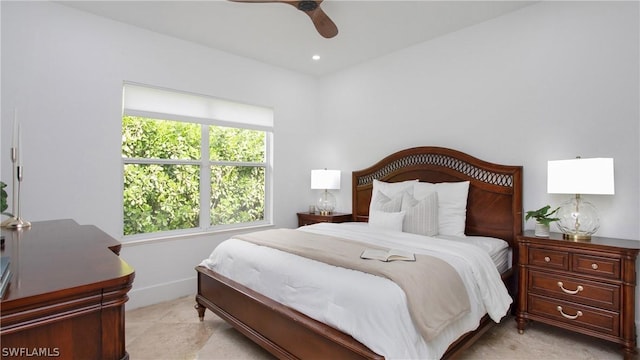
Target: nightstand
[
  {"x": 305, "y": 218},
  {"x": 586, "y": 287}
]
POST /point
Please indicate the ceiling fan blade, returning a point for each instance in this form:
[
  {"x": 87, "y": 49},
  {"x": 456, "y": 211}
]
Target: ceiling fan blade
[{"x": 325, "y": 26}]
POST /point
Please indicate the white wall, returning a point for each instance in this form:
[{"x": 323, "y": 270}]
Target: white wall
[
  {"x": 551, "y": 81},
  {"x": 63, "y": 71}
]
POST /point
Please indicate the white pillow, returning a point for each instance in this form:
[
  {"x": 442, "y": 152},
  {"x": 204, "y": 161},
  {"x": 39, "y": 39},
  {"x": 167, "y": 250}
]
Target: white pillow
[
  {"x": 421, "y": 216},
  {"x": 384, "y": 203},
  {"x": 389, "y": 190},
  {"x": 452, "y": 204},
  {"x": 386, "y": 220}
]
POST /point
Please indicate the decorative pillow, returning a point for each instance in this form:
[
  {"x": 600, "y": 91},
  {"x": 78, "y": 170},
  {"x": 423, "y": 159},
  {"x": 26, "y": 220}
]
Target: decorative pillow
[
  {"x": 421, "y": 216},
  {"x": 384, "y": 203},
  {"x": 389, "y": 190},
  {"x": 386, "y": 220},
  {"x": 452, "y": 204}
]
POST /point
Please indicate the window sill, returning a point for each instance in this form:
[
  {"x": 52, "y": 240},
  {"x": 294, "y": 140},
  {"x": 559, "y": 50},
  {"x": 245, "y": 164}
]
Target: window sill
[{"x": 174, "y": 237}]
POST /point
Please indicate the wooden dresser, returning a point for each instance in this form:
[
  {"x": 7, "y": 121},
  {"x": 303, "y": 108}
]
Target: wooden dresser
[
  {"x": 587, "y": 287},
  {"x": 67, "y": 293}
]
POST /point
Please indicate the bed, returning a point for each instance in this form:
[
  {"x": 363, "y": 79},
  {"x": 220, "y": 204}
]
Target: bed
[{"x": 493, "y": 209}]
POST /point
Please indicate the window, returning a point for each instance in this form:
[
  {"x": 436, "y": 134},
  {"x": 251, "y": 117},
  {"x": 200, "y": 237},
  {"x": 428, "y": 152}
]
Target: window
[{"x": 193, "y": 163}]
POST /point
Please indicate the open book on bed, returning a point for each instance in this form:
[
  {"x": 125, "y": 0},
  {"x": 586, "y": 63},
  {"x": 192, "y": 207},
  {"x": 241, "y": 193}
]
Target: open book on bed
[{"x": 387, "y": 255}]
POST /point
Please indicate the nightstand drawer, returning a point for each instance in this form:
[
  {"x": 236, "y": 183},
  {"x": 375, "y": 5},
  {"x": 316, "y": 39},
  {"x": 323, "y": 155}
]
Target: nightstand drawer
[
  {"x": 579, "y": 316},
  {"x": 596, "y": 265},
  {"x": 551, "y": 259},
  {"x": 305, "y": 219},
  {"x": 574, "y": 289},
  {"x": 306, "y": 222}
]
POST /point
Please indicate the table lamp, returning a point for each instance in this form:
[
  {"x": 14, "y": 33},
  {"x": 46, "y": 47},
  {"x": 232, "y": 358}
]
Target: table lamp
[
  {"x": 326, "y": 180},
  {"x": 578, "y": 218}
]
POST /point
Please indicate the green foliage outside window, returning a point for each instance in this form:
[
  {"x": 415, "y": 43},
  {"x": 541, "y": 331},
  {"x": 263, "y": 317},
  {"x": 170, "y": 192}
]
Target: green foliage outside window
[
  {"x": 160, "y": 198},
  {"x": 234, "y": 144},
  {"x": 165, "y": 195},
  {"x": 159, "y": 139},
  {"x": 237, "y": 194}
]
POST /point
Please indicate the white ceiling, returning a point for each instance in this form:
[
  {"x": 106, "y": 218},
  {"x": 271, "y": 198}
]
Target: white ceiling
[{"x": 281, "y": 35}]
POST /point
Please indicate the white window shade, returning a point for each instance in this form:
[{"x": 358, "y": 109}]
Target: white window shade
[
  {"x": 140, "y": 99},
  {"x": 580, "y": 176}
]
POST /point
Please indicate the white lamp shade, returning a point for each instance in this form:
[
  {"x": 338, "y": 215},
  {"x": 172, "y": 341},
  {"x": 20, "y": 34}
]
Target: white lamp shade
[
  {"x": 325, "y": 179},
  {"x": 580, "y": 176}
]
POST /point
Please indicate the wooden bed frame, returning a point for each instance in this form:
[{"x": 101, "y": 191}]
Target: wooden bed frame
[{"x": 494, "y": 208}]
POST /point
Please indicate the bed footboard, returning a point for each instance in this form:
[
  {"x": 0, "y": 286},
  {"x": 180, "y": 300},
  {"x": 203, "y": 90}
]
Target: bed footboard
[{"x": 284, "y": 332}]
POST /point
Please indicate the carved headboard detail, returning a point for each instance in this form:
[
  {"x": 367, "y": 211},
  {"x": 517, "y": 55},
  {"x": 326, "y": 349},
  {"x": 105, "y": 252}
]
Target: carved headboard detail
[{"x": 494, "y": 205}]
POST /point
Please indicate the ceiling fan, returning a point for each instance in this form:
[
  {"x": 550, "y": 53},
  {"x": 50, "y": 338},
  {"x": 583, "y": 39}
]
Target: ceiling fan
[{"x": 325, "y": 26}]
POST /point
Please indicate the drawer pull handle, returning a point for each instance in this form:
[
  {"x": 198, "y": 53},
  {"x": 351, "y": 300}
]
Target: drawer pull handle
[
  {"x": 570, "y": 317},
  {"x": 572, "y": 292},
  {"x": 547, "y": 259},
  {"x": 594, "y": 266}
]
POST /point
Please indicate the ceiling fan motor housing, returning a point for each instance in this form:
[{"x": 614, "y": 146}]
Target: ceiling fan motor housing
[{"x": 307, "y": 5}]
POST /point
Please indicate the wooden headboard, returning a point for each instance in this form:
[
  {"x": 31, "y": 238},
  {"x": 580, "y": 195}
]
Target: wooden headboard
[{"x": 494, "y": 204}]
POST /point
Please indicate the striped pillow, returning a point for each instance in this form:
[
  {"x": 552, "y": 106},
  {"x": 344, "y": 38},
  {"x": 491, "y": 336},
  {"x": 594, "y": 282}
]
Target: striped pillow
[{"x": 421, "y": 216}]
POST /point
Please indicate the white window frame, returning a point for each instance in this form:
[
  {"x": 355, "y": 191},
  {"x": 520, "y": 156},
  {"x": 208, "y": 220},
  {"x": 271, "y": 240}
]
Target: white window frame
[{"x": 264, "y": 123}]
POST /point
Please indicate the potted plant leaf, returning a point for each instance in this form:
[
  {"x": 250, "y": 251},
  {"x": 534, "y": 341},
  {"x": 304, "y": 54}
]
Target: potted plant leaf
[
  {"x": 3, "y": 199},
  {"x": 3, "y": 206},
  {"x": 544, "y": 217}
]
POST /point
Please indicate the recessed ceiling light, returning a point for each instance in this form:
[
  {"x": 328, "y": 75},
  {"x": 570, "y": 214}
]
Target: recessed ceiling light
[{"x": 316, "y": 57}]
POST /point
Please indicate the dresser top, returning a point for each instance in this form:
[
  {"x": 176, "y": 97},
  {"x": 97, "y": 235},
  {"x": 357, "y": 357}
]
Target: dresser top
[{"x": 61, "y": 256}]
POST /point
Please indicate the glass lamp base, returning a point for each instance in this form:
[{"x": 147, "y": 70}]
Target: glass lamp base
[
  {"x": 578, "y": 219},
  {"x": 326, "y": 203}
]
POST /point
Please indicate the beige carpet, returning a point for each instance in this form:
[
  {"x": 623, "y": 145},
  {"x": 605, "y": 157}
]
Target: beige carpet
[{"x": 172, "y": 331}]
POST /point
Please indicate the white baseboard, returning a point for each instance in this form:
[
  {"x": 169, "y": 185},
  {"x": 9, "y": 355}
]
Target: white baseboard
[{"x": 150, "y": 295}]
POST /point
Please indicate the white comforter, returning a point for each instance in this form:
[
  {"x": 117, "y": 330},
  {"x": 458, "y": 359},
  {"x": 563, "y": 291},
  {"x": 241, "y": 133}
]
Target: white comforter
[{"x": 371, "y": 309}]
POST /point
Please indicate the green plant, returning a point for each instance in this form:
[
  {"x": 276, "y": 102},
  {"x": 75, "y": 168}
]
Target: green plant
[
  {"x": 542, "y": 215},
  {"x": 3, "y": 199}
]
